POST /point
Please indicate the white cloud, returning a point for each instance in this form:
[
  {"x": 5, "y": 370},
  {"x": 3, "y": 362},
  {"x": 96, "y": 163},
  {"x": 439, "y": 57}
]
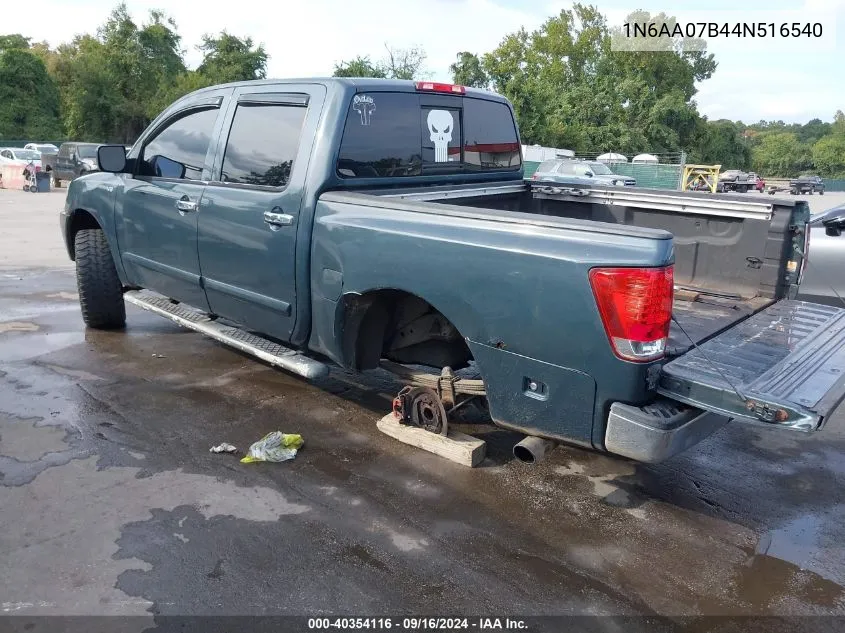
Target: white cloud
[{"x": 306, "y": 38}]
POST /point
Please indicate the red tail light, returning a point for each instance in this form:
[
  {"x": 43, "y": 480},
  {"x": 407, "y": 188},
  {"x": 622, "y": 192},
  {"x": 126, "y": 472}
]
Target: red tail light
[
  {"x": 635, "y": 305},
  {"x": 431, "y": 86}
]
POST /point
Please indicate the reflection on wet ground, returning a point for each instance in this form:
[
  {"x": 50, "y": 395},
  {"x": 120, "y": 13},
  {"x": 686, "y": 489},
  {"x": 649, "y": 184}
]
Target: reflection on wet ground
[{"x": 113, "y": 504}]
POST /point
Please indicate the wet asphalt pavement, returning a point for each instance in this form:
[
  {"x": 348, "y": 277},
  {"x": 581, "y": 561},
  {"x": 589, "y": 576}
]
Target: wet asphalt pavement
[{"x": 111, "y": 502}]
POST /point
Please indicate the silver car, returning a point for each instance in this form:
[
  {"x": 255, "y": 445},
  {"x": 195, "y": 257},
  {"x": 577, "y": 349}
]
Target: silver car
[
  {"x": 822, "y": 278},
  {"x": 581, "y": 172}
]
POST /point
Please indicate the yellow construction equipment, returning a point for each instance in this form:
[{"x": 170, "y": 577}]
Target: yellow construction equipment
[{"x": 700, "y": 178}]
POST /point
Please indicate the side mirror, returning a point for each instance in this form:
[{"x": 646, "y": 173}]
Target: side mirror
[
  {"x": 589, "y": 174},
  {"x": 111, "y": 158},
  {"x": 833, "y": 226},
  {"x": 164, "y": 167}
]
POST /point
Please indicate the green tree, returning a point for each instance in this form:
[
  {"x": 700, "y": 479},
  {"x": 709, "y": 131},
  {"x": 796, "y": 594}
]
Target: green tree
[
  {"x": 838, "y": 126},
  {"x": 398, "y": 63},
  {"x": 14, "y": 40},
  {"x": 813, "y": 130},
  {"x": 829, "y": 156},
  {"x": 570, "y": 89},
  {"x": 404, "y": 63},
  {"x": 228, "y": 58},
  {"x": 114, "y": 83},
  {"x": 29, "y": 99},
  {"x": 781, "y": 154},
  {"x": 359, "y": 67},
  {"x": 721, "y": 143},
  {"x": 468, "y": 71}
]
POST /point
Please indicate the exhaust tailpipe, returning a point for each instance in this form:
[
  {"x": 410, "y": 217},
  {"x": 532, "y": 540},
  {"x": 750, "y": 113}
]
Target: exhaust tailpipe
[{"x": 533, "y": 449}]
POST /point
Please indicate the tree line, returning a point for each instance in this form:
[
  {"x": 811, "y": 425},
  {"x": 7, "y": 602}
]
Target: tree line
[
  {"x": 108, "y": 86},
  {"x": 571, "y": 86}
]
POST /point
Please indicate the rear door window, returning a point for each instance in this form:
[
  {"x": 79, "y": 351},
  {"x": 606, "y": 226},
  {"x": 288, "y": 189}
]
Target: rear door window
[
  {"x": 408, "y": 134},
  {"x": 262, "y": 144}
]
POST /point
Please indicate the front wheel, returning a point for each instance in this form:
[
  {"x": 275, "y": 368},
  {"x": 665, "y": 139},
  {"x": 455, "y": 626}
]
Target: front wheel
[
  {"x": 821, "y": 193},
  {"x": 57, "y": 183},
  {"x": 100, "y": 291}
]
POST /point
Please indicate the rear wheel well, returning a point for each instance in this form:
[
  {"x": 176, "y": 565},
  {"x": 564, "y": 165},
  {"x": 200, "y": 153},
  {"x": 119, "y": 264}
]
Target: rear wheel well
[
  {"x": 80, "y": 219},
  {"x": 402, "y": 327}
]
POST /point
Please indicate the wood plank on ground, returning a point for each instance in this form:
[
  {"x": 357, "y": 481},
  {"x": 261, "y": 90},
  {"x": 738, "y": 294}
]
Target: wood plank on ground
[{"x": 456, "y": 446}]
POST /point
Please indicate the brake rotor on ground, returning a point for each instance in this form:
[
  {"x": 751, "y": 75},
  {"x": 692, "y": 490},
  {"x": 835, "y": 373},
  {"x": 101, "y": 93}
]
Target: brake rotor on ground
[{"x": 421, "y": 407}]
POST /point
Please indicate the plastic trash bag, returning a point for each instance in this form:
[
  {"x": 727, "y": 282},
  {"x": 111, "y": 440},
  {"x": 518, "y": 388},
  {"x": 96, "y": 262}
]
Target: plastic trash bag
[
  {"x": 274, "y": 447},
  {"x": 224, "y": 448}
]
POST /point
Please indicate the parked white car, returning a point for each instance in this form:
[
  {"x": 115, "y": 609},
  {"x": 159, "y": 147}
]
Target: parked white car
[
  {"x": 18, "y": 156},
  {"x": 41, "y": 147}
]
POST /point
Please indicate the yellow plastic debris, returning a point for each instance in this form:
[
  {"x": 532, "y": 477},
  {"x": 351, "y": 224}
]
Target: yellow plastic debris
[{"x": 274, "y": 447}]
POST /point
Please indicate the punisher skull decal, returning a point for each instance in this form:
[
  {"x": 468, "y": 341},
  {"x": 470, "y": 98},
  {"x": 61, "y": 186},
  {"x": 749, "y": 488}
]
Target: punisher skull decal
[
  {"x": 365, "y": 106},
  {"x": 440, "y": 124}
]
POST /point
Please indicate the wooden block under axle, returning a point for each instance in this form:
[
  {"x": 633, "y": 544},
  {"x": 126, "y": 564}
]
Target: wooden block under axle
[{"x": 457, "y": 447}]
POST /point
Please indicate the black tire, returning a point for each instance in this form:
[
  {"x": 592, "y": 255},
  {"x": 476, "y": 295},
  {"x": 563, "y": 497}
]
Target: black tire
[
  {"x": 821, "y": 193},
  {"x": 57, "y": 183},
  {"x": 100, "y": 291}
]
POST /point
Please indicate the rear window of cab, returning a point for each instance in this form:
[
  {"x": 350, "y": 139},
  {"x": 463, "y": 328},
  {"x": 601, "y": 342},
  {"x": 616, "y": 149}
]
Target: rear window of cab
[{"x": 394, "y": 134}]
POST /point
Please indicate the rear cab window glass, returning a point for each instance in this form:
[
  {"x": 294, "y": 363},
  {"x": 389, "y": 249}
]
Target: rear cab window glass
[
  {"x": 178, "y": 151},
  {"x": 407, "y": 134},
  {"x": 547, "y": 166},
  {"x": 262, "y": 144}
]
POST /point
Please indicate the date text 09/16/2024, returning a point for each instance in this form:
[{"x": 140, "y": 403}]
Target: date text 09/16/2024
[
  {"x": 418, "y": 624},
  {"x": 723, "y": 29}
]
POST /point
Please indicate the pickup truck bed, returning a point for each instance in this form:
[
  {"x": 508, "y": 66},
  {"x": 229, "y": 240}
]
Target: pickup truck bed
[
  {"x": 731, "y": 252},
  {"x": 735, "y": 258}
]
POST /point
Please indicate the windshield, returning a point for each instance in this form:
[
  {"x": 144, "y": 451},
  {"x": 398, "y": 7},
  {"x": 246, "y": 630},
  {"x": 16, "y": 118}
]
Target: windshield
[
  {"x": 600, "y": 169},
  {"x": 27, "y": 154},
  {"x": 87, "y": 151}
]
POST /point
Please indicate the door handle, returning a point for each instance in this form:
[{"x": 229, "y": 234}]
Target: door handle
[
  {"x": 186, "y": 205},
  {"x": 278, "y": 219}
]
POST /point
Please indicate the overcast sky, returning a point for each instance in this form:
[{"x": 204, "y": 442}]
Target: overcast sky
[{"x": 756, "y": 79}]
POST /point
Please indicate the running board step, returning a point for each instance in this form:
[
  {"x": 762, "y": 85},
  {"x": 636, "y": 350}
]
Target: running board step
[{"x": 269, "y": 351}]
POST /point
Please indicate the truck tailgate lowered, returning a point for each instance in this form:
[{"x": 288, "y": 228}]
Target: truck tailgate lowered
[{"x": 784, "y": 366}]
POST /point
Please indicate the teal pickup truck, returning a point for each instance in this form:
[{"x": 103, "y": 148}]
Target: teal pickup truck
[{"x": 374, "y": 223}]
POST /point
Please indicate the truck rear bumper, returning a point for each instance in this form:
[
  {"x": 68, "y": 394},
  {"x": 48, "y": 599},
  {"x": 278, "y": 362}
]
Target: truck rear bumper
[{"x": 657, "y": 431}]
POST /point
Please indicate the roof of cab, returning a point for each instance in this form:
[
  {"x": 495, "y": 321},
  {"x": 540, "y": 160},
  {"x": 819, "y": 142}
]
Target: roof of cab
[{"x": 359, "y": 84}]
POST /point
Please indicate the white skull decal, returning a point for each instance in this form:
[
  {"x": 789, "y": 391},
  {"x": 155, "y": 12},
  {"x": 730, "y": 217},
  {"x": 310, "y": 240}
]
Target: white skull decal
[{"x": 440, "y": 124}]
